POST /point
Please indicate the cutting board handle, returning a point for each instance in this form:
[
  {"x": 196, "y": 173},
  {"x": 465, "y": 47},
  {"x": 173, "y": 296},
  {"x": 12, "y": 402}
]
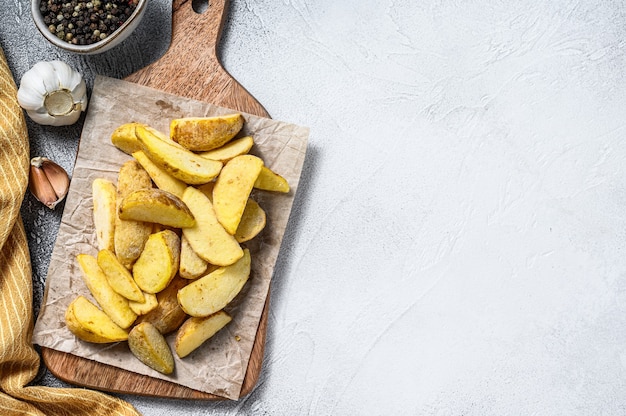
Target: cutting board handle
[{"x": 190, "y": 67}]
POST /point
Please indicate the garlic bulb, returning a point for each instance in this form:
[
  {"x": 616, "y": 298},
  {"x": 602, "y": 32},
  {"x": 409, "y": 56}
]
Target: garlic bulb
[
  {"x": 48, "y": 182},
  {"x": 52, "y": 93}
]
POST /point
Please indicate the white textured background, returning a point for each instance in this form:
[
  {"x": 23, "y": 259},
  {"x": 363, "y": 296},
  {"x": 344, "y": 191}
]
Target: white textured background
[{"x": 457, "y": 244}]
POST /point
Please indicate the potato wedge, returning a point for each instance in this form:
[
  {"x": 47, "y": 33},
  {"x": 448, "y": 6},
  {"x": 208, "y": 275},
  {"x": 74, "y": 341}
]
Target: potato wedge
[
  {"x": 118, "y": 276},
  {"x": 91, "y": 324},
  {"x": 252, "y": 222},
  {"x": 208, "y": 238},
  {"x": 175, "y": 159},
  {"x": 195, "y": 331},
  {"x": 232, "y": 189},
  {"x": 231, "y": 149},
  {"x": 131, "y": 236},
  {"x": 269, "y": 180},
  {"x": 191, "y": 266},
  {"x": 168, "y": 315},
  {"x": 149, "y": 346},
  {"x": 111, "y": 302},
  {"x": 205, "y": 133},
  {"x": 160, "y": 177},
  {"x": 158, "y": 263},
  {"x": 156, "y": 206},
  {"x": 124, "y": 138},
  {"x": 149, "y": 303},
  {"x": 214, "y": 291},
  {"x": 132, "y": 177},
  {"x": 104, "y": 212}
]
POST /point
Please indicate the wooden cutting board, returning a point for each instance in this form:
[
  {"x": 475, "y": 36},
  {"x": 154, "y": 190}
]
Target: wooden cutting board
[{"x": 190, "y": 68}]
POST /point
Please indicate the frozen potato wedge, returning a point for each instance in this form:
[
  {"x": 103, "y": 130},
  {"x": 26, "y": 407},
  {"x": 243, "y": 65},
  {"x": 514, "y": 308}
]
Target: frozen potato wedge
[
  {"x": 160, "y": 177},
  {"x": 168, "y": 315},
  {"x": 205, "y": 133},
  {"x": 232, "y": 189},
  {"x": 252, "y": 222},
  {"x": 230, "y": 150},
  {"x": 124, "y": 138},
  {"x": 195, "y": 331},
  {"x": 91, "y": 324},
  {"x": 149, "y": 346},
  {"x": 149, "y": 304},
  {"x": 178, "y": 161},
  {"x": 158, "y": 263},
  {"x": 156, "y": 206},
  {"x": 191, "y": 266},
  {"x": 130, "y": 236},
  {"x": 104, "y": 212},
  {"x": 118, "y": 276},
  {"x": 208, "y": 238},
  {"x": 111, "y": 302},
  {"x": 269, "y": 180},
  {"x": 214, "y": 291}
]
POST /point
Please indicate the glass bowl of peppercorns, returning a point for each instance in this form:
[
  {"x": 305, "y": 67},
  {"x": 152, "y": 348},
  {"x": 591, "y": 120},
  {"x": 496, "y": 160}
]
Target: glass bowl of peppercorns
[{"x": 87, "y": 26}]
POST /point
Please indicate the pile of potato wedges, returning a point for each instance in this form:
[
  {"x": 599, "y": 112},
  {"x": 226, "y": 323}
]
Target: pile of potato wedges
[{"x": 170, "y": 234}]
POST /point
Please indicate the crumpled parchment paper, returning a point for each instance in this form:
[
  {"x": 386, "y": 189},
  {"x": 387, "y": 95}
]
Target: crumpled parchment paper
[{"x": 218, "y": 366}]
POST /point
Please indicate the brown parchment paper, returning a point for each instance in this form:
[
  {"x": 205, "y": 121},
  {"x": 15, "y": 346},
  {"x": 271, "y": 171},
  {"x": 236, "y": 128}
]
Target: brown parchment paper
[{"x": 219, "y": 366}]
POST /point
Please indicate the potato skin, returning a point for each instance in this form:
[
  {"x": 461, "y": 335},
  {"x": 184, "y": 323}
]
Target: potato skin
[
  {"x": 131, "y": 236},
  {"x": 168, "y": 315},
  {"x": 205, "y": 133},
  {"x": 156, "y": 206},
  {"x": 149, "y": 346},
  {"x": 124, "y": 138},
  {"x": 176, "y": 160}
]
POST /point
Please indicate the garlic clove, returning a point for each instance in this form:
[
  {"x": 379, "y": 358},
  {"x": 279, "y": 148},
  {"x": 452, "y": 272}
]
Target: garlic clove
[{"x": 49, "y": 182}]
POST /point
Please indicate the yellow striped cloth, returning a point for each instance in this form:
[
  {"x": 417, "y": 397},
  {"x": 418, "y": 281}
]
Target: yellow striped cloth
[{"x": 19, "y": 362}]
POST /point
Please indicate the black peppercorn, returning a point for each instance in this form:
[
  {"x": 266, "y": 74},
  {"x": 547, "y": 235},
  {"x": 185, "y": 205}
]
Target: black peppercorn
[{"x": 83, "y": 22}]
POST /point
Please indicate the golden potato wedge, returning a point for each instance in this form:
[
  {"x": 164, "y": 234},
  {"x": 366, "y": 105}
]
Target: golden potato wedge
[
  {"x": 124, "y": 138},
  {"x": 168, "y": 315},
  {"x": 132, "y": 177},
  {"x": 179, "y": 162},
  {"x": 160, "y": 177},
  {"x": 214, "y": 291},
  {"x": 149, "y": 346},
  {"x": 91, "y": 324},
  {"x": 158, "y": 263},
  {"x": 231, "y": 149},
  {"x": 111, "y": 302},
  {"x": 232, "y": 189},
  {"x": 191, "y": 266},
  {"x": 131, "y": 236},
  {"x": 195, "y": 331},
  {"x": 252, "y": 222},
  {"x": 149, "y": 304},
  {"x": 205, "y": 133},
  {"x": 208, "y": 238},
  {"x": 156, "y": 206},
  {"x": 269, "y": 180},
  {"x": 104, "y": 212},
  {"x": 118, "y": 276}
]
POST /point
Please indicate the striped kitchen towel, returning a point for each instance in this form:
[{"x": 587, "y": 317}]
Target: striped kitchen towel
[{"x": 19, "y": 362}]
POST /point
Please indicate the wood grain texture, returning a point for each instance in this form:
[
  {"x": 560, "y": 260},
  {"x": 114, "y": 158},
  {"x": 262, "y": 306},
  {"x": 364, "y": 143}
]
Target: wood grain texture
[{"x": 190, "y": 68}]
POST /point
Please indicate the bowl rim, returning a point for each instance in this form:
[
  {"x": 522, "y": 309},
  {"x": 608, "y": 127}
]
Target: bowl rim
[{"x": 85, "y": 49}]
